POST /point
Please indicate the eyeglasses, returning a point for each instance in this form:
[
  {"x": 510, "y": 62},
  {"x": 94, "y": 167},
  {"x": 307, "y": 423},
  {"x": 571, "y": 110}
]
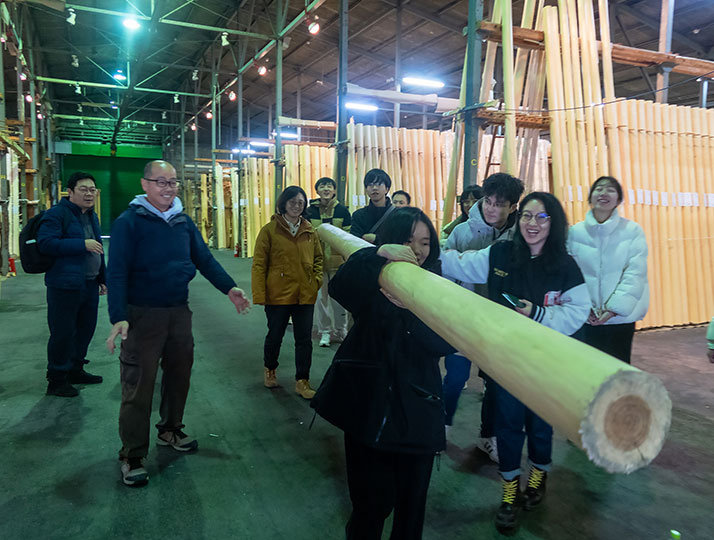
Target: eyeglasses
[
  {"x": 541, "y": 218},
  {"x": 86, "y": 190},
  {"x": 162, "y": 182},
  {"x": 299, "y": 203}
]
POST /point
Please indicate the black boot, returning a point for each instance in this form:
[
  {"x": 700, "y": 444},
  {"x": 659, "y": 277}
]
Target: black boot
[
  {"x": 535, "y": 491},
  {"x": 61, "y": 388},
  {"x": 507, "y": 515},
  {"x": 80, "y": 376}
]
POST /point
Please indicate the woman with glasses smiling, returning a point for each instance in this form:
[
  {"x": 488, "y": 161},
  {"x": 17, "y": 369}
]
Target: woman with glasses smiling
[
  {"x": 286, "y": 275},
  {"x": 534, "y": 275}
]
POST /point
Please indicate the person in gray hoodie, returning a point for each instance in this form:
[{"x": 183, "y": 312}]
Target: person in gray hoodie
[{"x": 492, "y": 219}]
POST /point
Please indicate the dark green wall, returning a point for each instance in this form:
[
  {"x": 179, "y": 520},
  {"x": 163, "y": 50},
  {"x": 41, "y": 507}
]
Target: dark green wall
[{"x": 119, "y": 178}]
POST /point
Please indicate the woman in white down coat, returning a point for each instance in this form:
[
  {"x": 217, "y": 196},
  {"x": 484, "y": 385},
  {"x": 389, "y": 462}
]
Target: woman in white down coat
[{"x": 612, "y": 254}]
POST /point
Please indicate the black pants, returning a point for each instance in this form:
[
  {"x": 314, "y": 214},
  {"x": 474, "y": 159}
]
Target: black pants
[
  {"x": 302, "y": 329},
  {"x": 72, "y": 319},
  {"x": 155, "y": 334},
  {"x": 613, "y": 339},
  {"x": 380, "y": 482}
]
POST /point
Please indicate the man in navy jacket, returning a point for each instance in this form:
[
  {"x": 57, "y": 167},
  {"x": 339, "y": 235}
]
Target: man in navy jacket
[
  {"x": 154, "y": 253},
  {"x": 70, "y": 232}
]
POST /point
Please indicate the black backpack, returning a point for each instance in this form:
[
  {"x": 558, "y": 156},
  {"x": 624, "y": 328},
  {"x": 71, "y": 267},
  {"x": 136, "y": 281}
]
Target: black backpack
[{"x": 32, "y": 259}]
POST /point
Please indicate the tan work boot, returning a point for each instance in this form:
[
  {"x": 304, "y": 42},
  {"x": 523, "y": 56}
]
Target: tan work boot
[
  {"x": 270, "y": 379},
  {"x": 302, "y": 387}
]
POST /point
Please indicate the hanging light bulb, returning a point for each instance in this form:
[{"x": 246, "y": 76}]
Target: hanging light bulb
[
  {"x": 39, "y": 116},
  {"x": 28, "y": 98},
  {"x": 79, "y": 107},
  {"x": 77, "y": 89},
  {"x": 23, "y": 76},
  {"x": 194, "y": 75},
  {"x": 209, "y": 115},
  {"x": 193, "y": 127},
  {"x": 262, "y": 70},
  {"x": 72, "y": 17},
  {"x": 232, "y": 95},
  {"x": 224, "y": 39},
  {"x": 163, "y": 115},
  {"x": 75, "y": 61},
  {"x": 176, "y": 98},
  {"x": 313, "y": 26}
]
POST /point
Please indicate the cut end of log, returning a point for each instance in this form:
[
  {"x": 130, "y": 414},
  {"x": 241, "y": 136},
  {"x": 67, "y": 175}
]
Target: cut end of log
[{"x": 626, "y": 422}]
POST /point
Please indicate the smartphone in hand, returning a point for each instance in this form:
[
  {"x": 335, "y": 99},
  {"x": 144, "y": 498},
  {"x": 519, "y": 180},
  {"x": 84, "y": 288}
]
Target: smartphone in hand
[{"x": 513, "y": 300}]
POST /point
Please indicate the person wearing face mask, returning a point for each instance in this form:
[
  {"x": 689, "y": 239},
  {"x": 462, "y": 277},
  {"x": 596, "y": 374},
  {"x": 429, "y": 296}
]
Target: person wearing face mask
[
  {"x": 367, "y": 221},
  {"x": 544, "y": 283},
  {"x": 383, "y": 388},
  {"x": 612, "y": 254},
  {"x": 70, "y": 232},
  {"x": 331, "y": 318},
  {"x": 286, "y": 275}
]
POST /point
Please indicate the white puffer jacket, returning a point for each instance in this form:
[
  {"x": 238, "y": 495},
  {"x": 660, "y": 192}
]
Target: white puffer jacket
[{"x": 613, "y": 259}]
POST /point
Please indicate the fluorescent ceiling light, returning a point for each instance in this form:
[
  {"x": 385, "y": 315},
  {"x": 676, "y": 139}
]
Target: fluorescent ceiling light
[
  {"x": 119, "y": 75},
  {"x": 418, "y": 81},
  {"x": 131, "y": 24},
  {"x": 361, "y": 106},
  {"x": 286, "y": 135},
  {"x": 261, "y": 144}
]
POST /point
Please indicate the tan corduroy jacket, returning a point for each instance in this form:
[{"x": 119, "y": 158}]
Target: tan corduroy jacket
[{"x": 287, "y": 269}]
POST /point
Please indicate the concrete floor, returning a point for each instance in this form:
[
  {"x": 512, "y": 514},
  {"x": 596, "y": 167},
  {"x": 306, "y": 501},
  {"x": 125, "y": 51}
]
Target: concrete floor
[{"x": 261, "y": 473}]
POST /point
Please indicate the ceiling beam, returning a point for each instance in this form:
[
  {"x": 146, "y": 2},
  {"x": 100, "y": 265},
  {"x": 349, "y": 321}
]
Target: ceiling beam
[{"x": 427, "y": 16}]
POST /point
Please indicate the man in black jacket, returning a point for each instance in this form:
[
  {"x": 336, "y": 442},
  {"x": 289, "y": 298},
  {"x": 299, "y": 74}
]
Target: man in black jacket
[
  {"x": 74, "y": 284},
  {"x": 366, "y": 221}
]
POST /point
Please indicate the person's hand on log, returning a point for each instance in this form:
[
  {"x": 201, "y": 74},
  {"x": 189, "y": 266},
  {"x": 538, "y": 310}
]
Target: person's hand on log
[
  {"x": 392, "y": 299},
  {"x": 526, "y": 309},
  {"x": 397, "y": 252},
  {"x": 710, "y": 355},
  {"x": 370, "y": 237}
]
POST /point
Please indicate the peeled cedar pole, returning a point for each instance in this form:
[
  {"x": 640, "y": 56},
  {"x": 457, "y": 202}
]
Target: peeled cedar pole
[
  {"x": 509, "y": 160},
  {"x": 620, "y": 414}
]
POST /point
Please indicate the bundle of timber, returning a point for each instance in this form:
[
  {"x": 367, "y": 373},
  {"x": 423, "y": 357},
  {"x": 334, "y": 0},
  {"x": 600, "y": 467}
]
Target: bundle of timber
[
  {"x": 618, "y": 414},
  {"x": 662, "y": 154}
]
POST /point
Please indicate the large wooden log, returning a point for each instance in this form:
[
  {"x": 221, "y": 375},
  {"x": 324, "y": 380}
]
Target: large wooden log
[{"x": 619, "y": 414}]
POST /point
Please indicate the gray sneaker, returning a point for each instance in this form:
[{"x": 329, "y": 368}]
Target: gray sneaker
[
  {"x": 133, "y": 472},
  {"x": 177, "y": 440},
  {"x": 488, "y": 445}
]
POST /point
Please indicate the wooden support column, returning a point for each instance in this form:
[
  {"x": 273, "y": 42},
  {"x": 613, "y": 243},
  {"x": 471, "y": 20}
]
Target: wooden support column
[{"x": 665, "y": 45}]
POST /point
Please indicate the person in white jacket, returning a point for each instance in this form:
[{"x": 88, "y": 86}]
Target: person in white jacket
[{"x": 612, "y": 254}]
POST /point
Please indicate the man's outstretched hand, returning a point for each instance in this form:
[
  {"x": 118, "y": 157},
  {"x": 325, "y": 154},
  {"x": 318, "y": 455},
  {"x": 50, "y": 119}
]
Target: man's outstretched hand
[{"x": 237, "y": 296}]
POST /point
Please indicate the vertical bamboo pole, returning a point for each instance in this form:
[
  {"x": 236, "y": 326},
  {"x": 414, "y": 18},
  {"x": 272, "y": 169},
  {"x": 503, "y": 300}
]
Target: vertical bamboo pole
[
  {"x": 204, "y": 207},
  {"x": 220, "y": 219},
  {"x": 351, "y": 168},
  {"x": 509, "y": 162},
  {"x": 610, "y": 110},
  {"x": 650, "y": 226}
]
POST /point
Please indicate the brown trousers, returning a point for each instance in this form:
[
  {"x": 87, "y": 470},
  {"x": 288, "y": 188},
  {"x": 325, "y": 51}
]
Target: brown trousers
[{"x": 155, "y": 334}]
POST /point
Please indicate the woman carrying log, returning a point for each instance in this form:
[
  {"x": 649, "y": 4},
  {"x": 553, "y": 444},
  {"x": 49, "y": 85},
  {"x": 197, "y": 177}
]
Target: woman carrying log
[
  {"x": 383, "y": 388},
  {"x": 286, "y": 275},
  {"x": 612, "y": 254},
  {"x": 534, "y": 274}
]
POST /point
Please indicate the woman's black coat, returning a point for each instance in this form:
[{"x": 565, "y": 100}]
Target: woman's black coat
[{"x": 384, "y": 386}]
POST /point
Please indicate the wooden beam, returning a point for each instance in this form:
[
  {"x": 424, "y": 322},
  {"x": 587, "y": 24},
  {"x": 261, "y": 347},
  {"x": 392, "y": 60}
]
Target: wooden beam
[{"x": 621, "y": 54}]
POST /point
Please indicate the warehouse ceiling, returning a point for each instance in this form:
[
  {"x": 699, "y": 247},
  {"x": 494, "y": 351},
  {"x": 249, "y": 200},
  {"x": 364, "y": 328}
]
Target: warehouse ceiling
[{"x": 178, "y": 37}]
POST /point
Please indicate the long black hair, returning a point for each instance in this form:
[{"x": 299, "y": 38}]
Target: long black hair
[
  {"x": 554, "y": 248},
  {"x": 287, "y": 194},
  {"x": 399, "y": 226}
]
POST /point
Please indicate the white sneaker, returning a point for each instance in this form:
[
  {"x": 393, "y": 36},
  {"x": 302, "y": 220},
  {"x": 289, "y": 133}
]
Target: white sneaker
[
  {"x": 325, "y": 340},
  {"x": 488, "y": 445}
]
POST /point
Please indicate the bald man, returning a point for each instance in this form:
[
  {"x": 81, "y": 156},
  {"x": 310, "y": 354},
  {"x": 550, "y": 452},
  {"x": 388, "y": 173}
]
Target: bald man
[{"x": 154, "y": 253}]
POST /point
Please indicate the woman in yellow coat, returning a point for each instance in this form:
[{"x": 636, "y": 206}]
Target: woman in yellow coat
[{"x": 286, "y": 275}]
